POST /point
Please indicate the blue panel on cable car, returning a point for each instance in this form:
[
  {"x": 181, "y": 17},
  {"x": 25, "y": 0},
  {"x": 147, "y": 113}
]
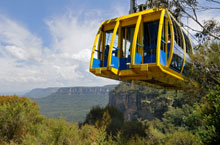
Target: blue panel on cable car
[
  {"x": 114, "y": 62},
  {"x": 96, "y": 63},
  {"x": 163, "y": 59},
  {"x": 138, "y": 58},
  {"x": 123, "y": 64},
  {"x": 168, "y": 50}
]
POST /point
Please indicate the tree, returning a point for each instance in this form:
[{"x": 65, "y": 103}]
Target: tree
[
  {"x": 190, "y": 9},
  {"x": 207, "y": 66},
  {"x": 211, "y": 116},
  {"x": 183, "y": 138},
  {"x": 132, "y": 129},
  {"x": 109, "y": 117},
  {"x": 18, "y": 116}
]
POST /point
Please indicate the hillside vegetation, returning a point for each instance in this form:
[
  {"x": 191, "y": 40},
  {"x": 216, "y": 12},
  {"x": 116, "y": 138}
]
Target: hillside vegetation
[{"x": 21, "y": 123}]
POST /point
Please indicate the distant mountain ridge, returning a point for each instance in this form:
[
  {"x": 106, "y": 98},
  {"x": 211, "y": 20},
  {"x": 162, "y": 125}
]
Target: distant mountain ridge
[
  {"x": 40, "y": 92},
  {"x": 44, "y": 92},
  {"x": 72, "y": 103}
]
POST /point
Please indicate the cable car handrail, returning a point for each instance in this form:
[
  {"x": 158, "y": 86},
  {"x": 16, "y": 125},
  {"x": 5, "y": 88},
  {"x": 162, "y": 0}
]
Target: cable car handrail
[
  {"x": 115, "y": 47},
  {"x": 139, "y": 45},
  {"x": 163, "y": 41},
  {"x": 97, "y": 51}
]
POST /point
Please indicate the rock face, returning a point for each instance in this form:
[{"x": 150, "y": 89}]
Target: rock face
[
  {"x": 83, "y": 90},
  {"x": 44, "y": 92},
  {"x": 127, "y": 101},
  {"x": 141, "y": 102}
]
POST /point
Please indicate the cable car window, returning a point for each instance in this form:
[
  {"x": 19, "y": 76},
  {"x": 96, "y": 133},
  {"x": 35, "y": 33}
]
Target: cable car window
[
  {"x": 97, "y": 52},
  {"x": 188, "y": 46},
  {"x": 169, "y": 40},
  {"x": 150, "y": 37},
  {"x": 163, "y": 37},
  {"x": 177, "y": 60},
  {"x": 128, "y": 34},
  {"x": 108, "y": 39},
  {"x": 177, "y": 34}
]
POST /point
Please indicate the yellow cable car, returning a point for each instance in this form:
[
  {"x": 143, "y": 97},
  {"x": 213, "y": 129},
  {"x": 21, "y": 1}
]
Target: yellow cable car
[{"x": 149, "y": 47}]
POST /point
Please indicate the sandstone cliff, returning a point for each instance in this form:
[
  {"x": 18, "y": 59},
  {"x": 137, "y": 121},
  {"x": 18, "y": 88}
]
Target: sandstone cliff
[{"x": 140, "y": 102}]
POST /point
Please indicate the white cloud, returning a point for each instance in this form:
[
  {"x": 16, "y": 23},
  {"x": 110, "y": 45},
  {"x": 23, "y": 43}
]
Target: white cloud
[
  {"x": 71, "y": 38},
  {"x": 65, "y": 63},
  {"x": 18, "y": 41}
]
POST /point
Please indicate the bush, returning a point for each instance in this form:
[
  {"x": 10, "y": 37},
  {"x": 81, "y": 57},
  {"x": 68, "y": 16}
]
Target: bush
[
  {"x": 109, "y": 117},
  {"x": 133, "y": 129},
  {"x": 19, "y": 116},
  {"x": 183, "y": 138}
]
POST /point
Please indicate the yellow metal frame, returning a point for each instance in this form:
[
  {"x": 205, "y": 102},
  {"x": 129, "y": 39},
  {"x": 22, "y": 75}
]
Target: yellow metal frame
[
  {"x": 94, "y": 45},
  {"x": 134, "y": 43},
  {"x": 176, "y": 75},
  {"x": 111, "y": 45},
  {"x": 159, "y": 37},
  {"x": 184, "y": 44},
  {"x": 172, "y": 39}
]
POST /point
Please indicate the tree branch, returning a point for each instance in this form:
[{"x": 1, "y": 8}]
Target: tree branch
[
  {"x": 214, "y": 1},
  {"x": 192, "y": 28},
  {"x": 195, "y": 19}
]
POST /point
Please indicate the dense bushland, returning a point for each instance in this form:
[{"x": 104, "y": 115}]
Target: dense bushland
[{"x": 21, "y": 123}]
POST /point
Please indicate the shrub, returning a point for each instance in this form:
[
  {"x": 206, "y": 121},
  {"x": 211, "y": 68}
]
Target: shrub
[
  {"x": 109, "y": 117},
  {"x": 18, "y": 116},
  {"x": 133, "y": 128},
  {"x": 183, "y": 138}
]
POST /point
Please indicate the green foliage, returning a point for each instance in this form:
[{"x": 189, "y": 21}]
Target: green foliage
[
  {"x": 109, "y": 117},
  {"x": 204, "y": 121},
  {"x": 154, "y": 136},
  {"x": 17, "y": 117},
  {"x": 160, "y": 105},
  {"x": 193, "y": 120},
  {"x": 207, "y": 67},
  {"x": 132, "y": 129},
  {"x": 176, "y": 116},
  {"x": 21, "y": 123},
  {"x": 183, "y": 138},
  {"x": 211, "y": 117},
  {"x": 94, "y": 114}
]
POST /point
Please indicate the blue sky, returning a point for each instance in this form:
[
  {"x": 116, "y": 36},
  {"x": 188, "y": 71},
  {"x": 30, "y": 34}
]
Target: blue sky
[
  {"x": 47, "y": 43},
  {"x": 33, "y": 13}
]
